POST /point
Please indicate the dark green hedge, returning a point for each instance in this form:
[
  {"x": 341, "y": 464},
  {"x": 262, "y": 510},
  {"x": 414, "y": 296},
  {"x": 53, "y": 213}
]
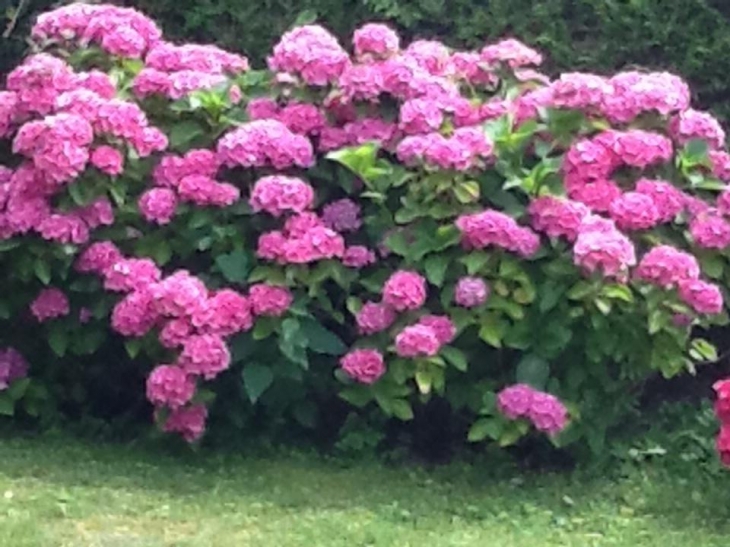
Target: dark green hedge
[{"x": 690, "y": 37}]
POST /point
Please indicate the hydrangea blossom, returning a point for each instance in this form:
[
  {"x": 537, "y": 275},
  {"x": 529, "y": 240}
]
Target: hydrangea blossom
[
  {"x": 363, "y": 365},
  {"x": 405, "y": 290},
  {"x": 545, "y": 411},
  {"x": 471, "y": 292},
  {"x": 51, "y": 303},
  {"x": 170, "y": 386},
  {"x": 417, "y": 341}
]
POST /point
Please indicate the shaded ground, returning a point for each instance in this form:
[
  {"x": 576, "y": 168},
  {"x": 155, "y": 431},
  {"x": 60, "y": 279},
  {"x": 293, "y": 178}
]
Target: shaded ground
[{"x": 63, "y": 492}]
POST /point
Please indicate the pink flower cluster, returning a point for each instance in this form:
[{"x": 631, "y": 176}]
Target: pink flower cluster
[
  {"x": 278, "y": 194},
  {"x": 300, "y": 118},
  {"x": 557, "y": 217},
  {"x": 50, "y": 303},
  {"x": 666, "y": 266},
  {"x": 405, "y": 290},
  {"x": 363, "y": 365},
  {"x": 466, "y": 148},
  {"x": 13, "y": 366},
  {"x": 544, "y": 410},
  {"x": 722, "y": 410},
  {"x": 264, "y": 142},
  {"x": 304, "y": 239},
  {"x": 471, "y": 292},
  {"x": 601, "y": 247},
  {"x": 495, "y": 229}
]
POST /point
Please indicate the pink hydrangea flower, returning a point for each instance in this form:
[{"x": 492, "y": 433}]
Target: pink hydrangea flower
[
  {"x": 225, "y": 312},
  {"x": 692, "y": 124},
  {"x": 376, "y": 41},
  {"x": 129, "y": 274},
  {"x": 634, "y": 211},
  {"x": 441, "y": 325},
  {"x": 636, "y": 92},
  {"x": 704, "y": 298},
  {"x": 205, "y": 191},
  {"x": 471, "y": 292},
  {"x": 265, "y": 142},
  {"x": 64, "y": 229},
  {"x": 342, "y": 215},
  {"x": 493, "y": 228},
  {"x": 545, "y": 411},
  {"x": 723, "y": 444},
  {"x": 98, "y": 257},
  {"x": 270, "y": 300},
  {"x": 578, "y": 91},
  {"x": 158, "y": 205},
  {"x": 601, "y": 247},
  {"x": 374, "y": 317},
  {"x": 13, "y": 366},
  {"x": 107, "y": 160},
  {"x": 637, "y": 148},
  {"x": 363, "y": 365},
  {"x": 358, "y": 256},
  {"x": 318, "y": 243},
  {"x": 511, "y": 52},
  {"x": 417, "y": 341},
  {"x": 405, "y": 290},
  {"x": 97, "y": 213},
  {"x": 135, "y": 314},
  {"x": 271, "y": 246},
  {"x": 361, "y": 82},
  {"x": 187, "y": 421},
  {"x": 204, "y": 355},
  {"x": 170, "y": 386},
  {"x": 278, "y": 194},
  {"x": 175, "y": 331},
  {"x": 302, "y": 118},
  {"x": 710, "y": 231},
  {"x": 557, "y": 217},
  {"x": 50, "y": 303},
  {"x": 298, "y": 225},
  {"x": 178, "y": 295},
  {"x": 668, "y": 200},
  {"x": 666, "y": 266},
  {"x": 418, "y": 116}
]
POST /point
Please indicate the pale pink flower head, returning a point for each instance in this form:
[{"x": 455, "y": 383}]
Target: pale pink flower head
[
  {"x": 363, "y": 365},
  {"x": 187, "y": 421},
  {"x": 342, "y": 215},
  {"x": 13, "y": 366},
  {"x": 634, "y": 93},
  {"x": 158, "y": 205},
  {"x": 471, "y": 292},
  {"x": 270, "y": 300},
  {"x": 430, "y": 55},
  {"x": 710, "y": 231},
  {"x": 597, "y": 196},
  {"x": 179, "y": 295},
  {"x": 634, "y": 211},
  {"x": 579, "y": 91},
  {"x": 135, "y": 314},
  {"x": 98, "y": 257},
  {"x": 421, "y": 115},
  {"x": 693, "y": 124},
  {"x": 204, "y": 355},
  {"x": 441, "y": 325},
  {"x": 170, "y": 386},
  {"x": 51, "y": 303},
  {"x": 666, "y": 266},
  {"x": 417, "y": 341},
  {"x": 311, "y": 53},
  {"x": 129, "y": 274},
  {"x": 108, "y": 160},
  {"x": 601, "y": 247},
  {"x": 511, "y": 52},
  {"x": 405, "y": 290},
  {"x": 703, "y": 297},
  {"x": 361, "y": 82},
  {"x": 636, "y": 147},
  {"x": 302, "y": 118},
  {"x": 375, "y": 41},
  {"x": 277, "y": 194},
  {"x": 557, "y": 217},
  {"x": 358, "y": 256},
  {"x": 374, "y": 317}
]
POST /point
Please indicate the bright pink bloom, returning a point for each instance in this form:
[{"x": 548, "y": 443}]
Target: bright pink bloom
[
  {"x": 98, "y": 257},
  {"x": 441, "y": 325},
  {"x": 374, "y": 317},
  {"x": 493, "y": 228},
  {"x": 710, "y": 231},
  {"x": 13, "y": 366},
  {"x": 278, "y": 194},
  {"x": 135, "y": 314},
  {"x": 722, "y": 402},
  {"x": 471, "y": 292},
  {"x": 601, "y": 247},
  {"x": 226, "y": 312},
  {"x": 188, "y": 422},
  {"x": 405, "y": 290},
  {"x": 265, "y": 142},
  {"x": 704, "y": 298},
  {"x": 129, "y": 274},
  {"x": 270, "y": 300},
  {"x": 363, "y": 365},
  {"x": 723, "y": 444},
  {"x": 206, "y": 192},
  {"x": 97, "y": 213},
  {"x": 271, "y": 246},
  {"x": 205, "y": 355},
  {"x": 175, "y": 331},
  {"x": 692, "y": 124},
  {"x": 634, "y": 211},
  {"x": 179, "y": 295},
  {"x": 158, "y": 205},
  {"x": 511, "y": 52},
  {"x": 417, "y": 341},
  {"x": 107, "y": 160},
  {"x": 666, "y": 266},
  {"x": 302, "y": 118},
  {"x": 375, "y": 41},
  {"x": 361, "y": 82},
  {"x": 50, "y": 303},
  {"x": 358, "y": 256},
  {"x": 170, "y": 386},
  {"x": 634, "y": 93},
  {"x": 578, "y": 91},
  {"x": 64, "y": 229},
  {"x": 668, "y": 200},
  {"x": 544, "y": 410},
  {"x": 557, "y": 217}
]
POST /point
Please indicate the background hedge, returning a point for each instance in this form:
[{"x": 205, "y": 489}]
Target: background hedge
[{"x": 690, "y": 37}]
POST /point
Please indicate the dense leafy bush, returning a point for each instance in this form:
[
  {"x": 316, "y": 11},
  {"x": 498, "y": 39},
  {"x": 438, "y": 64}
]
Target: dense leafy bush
[{"x": 393, "y": 226}]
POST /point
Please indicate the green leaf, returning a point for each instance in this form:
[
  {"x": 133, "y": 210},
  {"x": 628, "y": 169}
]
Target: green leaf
[
  {"x": 357, "y": 396},
  {"x": 492, "y": 331},
  {"x": 357, "y": 159},
  {"x": 436, "y": 266},
  {"x": 257, "y": 379},
  {"x": 401, "y": 409},
  {"x": 533, "y": 370},
  {"x": 18, "y": 388},
  {"x": 486, "y": 427},
  {"x": 467, "y": 191},
  {"x": 618, "y": 292},
  {"x": 455, "y": 357},
  {"x": 424, "y": 380},
  {"x": 320, "y": 339},
  {"x": 42, "y": 271},
  {"x": 58, "y": 339},
  {"x": 7, "y": 405},
  {"x": 475, "y": 261},
  {"x": 234, "y": 266},
  {"x": 133, "y": 347},
  {"x": 184, "y": 133}
]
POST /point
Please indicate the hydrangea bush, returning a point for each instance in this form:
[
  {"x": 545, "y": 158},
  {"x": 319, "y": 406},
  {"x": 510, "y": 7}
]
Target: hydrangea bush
[{"x": 387, "y": 225}]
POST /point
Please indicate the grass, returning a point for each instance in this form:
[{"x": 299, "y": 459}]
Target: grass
[{"x": 58, "y": 492}]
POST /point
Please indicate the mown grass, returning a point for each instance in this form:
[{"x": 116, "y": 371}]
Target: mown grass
[{"x": 57, "y": 491}]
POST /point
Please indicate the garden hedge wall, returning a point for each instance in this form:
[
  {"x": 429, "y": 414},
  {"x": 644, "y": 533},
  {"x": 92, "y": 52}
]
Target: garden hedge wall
[{"x": 689, "y": 37}]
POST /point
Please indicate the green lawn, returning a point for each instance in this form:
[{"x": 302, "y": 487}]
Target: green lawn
[{"x": 64, "y": 492}]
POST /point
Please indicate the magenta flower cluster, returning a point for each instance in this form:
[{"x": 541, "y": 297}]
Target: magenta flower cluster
[{"x": 543, "y": 410}]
